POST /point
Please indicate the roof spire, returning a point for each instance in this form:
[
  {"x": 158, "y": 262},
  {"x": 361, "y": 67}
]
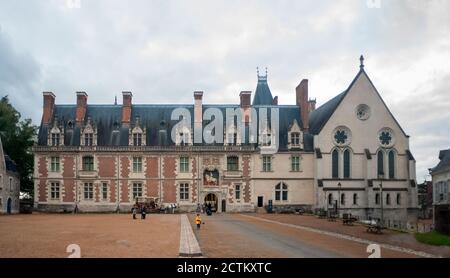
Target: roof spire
[
  {"x": 115, "y": 100},
  {"x": 261, "y": 77},
  {"x": 361, "y": 60}
]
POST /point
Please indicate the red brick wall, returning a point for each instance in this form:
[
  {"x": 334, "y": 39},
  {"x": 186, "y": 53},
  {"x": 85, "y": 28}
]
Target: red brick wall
[
  {"x": 169, "y": 186},
  {"x": 68, "y": 167},
  {"x": 112, "y": 191},
  {"x": 69, "y": 194},
  {"x": 106, "y": 166},
  {"x": 42, "y": 191},
  {"x": 194, "y": 181},
  {"x": 152, "y": 188},
  {"x": 125, "y": 166},
  {"x": 152, "y": 167},
  {"x": 124, "y": 197},
  {"x": 42, "y": 173}
]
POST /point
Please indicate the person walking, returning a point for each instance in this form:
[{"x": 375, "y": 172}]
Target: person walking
[
  {"x": 198, "y": 221},
  {"x": 143, "y": 212},
  {"x": 134, "y": 210}
]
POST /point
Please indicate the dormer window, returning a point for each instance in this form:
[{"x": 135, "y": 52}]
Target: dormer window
[
  {"x": 183, "y": 136},
  {"x": 137, "y": 139},
  {"x": 88, "y": 135},
  {"x": 295, "y": 136},
  {"x": 232, "y": 136},
  {"x": 55, "y": 135},
  {"x": 295, "y": 139},
  {"x": 55, "y": 138},
  {"x": 137, "y": 134}
]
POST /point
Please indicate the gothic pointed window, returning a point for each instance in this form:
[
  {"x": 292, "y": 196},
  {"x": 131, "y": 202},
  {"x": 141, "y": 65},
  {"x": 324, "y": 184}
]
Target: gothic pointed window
[
  {"x": 347, "y": 163},
  {"x": 391, "y": 159},
  {"x": 380, "y": 164},
  {"x": 342, "y": 136},
  {"x": 335, "y": 164}
]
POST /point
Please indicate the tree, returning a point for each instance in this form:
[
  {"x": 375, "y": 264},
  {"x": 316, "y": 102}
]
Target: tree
[{"x": 18, "y": 137}]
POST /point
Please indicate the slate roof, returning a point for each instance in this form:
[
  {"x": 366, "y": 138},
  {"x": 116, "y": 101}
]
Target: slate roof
[
  {"x": 156, "y": 119},
  {"x": 444, "y": 163},
  {"x": 263, "y": 96}
]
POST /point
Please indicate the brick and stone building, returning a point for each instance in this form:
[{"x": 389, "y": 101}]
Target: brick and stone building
[
  {"x": 100, "y": 157},
  {"x": 9, "y": 184}
]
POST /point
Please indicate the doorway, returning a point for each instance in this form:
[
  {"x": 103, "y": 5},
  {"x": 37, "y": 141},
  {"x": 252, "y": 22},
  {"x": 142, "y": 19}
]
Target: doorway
[
  {"x": 211, "y": 199},
  {"x": 224, "y": 205},
  {"x": 260, "y": 201},
  {"x": 8, "y": 206}
]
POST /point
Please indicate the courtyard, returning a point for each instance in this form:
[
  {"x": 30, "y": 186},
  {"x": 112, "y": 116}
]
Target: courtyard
[{"x": 222, "y": 235}]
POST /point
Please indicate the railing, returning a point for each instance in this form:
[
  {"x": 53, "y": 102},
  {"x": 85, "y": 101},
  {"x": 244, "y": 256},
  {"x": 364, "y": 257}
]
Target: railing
[{"x": 243, "y": 148}]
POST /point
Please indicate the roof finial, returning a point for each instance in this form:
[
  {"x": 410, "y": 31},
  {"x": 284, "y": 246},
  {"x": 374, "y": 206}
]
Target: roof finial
[
  {"x": 361, "y": 60},
  {"x": 115, "y": 100},
  {"x": 261, "y": 77},
  {"x": 257, "y": 71}
]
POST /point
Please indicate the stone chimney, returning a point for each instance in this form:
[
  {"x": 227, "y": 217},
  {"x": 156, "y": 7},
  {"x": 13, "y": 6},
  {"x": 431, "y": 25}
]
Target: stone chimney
[
  {"x": 198, "y": 116},
  {"x": 81, "y": 107},
  {"x": 49, "y": 105},
  {"x": 126, "y": 108},
  {"x": 302, "y": 102},
  {"x": 275, "y": 100}
]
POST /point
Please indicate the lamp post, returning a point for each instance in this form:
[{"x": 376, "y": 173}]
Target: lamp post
[
  {"x": 339, "y": 197},
  {"x": 380, "y": 177}
]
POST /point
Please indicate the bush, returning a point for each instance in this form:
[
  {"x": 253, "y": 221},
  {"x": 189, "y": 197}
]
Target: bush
[{"x": 433, "y": 238}]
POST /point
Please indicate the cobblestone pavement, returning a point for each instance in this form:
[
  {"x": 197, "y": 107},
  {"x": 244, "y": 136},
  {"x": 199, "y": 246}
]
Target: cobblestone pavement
[
  {"x": 404, "y": 240},
  {"x": 98, "y": 235},
  {"x": 235, "y": 235}
]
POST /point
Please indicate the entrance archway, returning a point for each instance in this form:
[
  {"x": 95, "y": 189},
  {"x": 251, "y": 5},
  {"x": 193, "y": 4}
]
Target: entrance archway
[
  {"x": 8, "y": 206},
  {"x": 211, "y": 199}
]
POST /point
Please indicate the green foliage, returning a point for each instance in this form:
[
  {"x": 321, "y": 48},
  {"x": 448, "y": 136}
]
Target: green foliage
[
  {"x": 433, "y": 238},
  {"x": 18, "y": 138}
]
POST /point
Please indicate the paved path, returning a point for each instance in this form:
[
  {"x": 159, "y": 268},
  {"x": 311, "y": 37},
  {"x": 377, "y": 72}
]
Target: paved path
[
  {"x": 188, "y": 243},
  {"x": 233, "y": 235}
]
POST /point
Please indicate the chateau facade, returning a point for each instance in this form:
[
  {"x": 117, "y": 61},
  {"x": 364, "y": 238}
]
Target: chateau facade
[{"x": 101, "y": 157}]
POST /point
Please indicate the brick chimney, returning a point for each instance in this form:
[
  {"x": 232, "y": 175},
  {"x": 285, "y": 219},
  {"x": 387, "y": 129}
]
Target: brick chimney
[
  {"x": 81, "y": 107},
  {"x": 126, "y": 108},
  {"x": 275, "y": 100},
  {"x": 302, "y": 102},
  {"x": 246, "y": 97},
  {"x": 49, "y": 105},
  {"x": 312, "y": 105}
]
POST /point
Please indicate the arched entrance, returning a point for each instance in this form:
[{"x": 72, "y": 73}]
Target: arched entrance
[
  {"x": 8, "y": 206},
  {"x": 211, "y": 199}
]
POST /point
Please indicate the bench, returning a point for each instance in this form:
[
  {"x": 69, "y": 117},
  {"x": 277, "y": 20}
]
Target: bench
[
  {"x": 374, "y": 228},
  {"x": 332, "y": 216},
  {"x": 348, "y": 219}
]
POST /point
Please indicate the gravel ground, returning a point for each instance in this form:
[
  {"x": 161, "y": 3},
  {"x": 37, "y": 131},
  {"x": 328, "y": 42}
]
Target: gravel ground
[{"x": 98, "y": 235}]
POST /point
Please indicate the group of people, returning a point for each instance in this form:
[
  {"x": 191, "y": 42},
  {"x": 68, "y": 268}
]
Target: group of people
[
  {"x": 207, "y": 208},
  {"x": 141, "y": 208}
]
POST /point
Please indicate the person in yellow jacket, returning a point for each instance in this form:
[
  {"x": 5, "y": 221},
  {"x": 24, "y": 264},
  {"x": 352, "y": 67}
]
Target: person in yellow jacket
[{"x": 198, "y": 221}]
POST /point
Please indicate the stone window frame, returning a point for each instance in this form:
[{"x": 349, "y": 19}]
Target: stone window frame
[
  {"x": 236, "y": 191},
  {"x": 294, "y": 130},
  {"x": 300, "y": 158},
  {"x": 184, "y": 185},
  {"x": 55, "y": 131},
  {"x": 84, "y": 163},
  {"x": 90, "y": 193},
  {"x": 281, "y": 189},
  {"x": 57, "y": 163},
  {"x": 137, "y": 164},
  {"x": 102, "y": 191},
  {"x": 88, "y": 130},
  {"x": 50, "y": 191},
  {"x": 269, "y": 163},
  {"x": 184, "y": 161},
  {"x": 137, "y": 135},
  {"x": 235, "y": 164},
  {"x": 138, "y": 188}
]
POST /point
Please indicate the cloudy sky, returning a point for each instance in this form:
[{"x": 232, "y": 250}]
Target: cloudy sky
[{"x": 164, "y": 50}]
